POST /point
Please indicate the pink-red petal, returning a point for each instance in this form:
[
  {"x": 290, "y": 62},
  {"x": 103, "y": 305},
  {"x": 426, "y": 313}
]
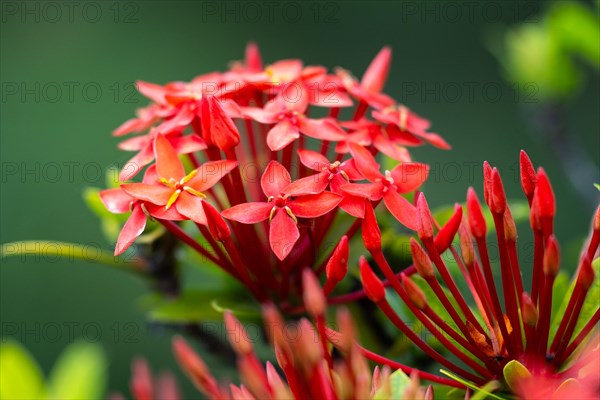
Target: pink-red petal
[
  {"x": 191, "y": 206},
  {"x": 371, "y": 191},
  {"x": 210, "y": 173},
  {"x": 275, "y": 179},
  {"x": 401, "y": 209},
  {"x": 115, "y": 200},
  {"x": 313, "y": 184},
  {"x": 134, "y": 227},
  {"x": 248, "y": 213},
  {"x": 283, "y": 234},
  {"x": 155, "y": 194},
  {"x": 409, "y": 176},
  {"x": 313, "y": 160},
  {"x": 282, "y": 134},
  {"x": 315, "y": 205},
  {"x": 168, "y": 164},
  {"x": 365, "y": 162}
]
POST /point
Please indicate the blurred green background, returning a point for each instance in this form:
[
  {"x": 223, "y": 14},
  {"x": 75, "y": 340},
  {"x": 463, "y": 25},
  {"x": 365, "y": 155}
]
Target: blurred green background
[{"x": 67, "y": 74}]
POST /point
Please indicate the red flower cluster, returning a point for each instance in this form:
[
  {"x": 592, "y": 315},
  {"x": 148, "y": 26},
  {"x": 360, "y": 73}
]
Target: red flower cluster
[{"x": 252, "y": 121}]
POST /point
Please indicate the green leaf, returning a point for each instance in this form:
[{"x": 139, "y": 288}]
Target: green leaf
[
  {"x": 398, "y": 383},
  {"x": 597, "y": 185},
  {"x": 514, "y": 372},
  {"x": 20, "y": 376},
  {"x": 79, "y": 373},
  {"x": 200, "y": 305}
]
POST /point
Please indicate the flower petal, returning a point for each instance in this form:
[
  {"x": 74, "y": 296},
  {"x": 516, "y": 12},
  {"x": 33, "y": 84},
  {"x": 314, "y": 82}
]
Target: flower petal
[
  {"x": 282, "y": 134},
  {"x": 353, "y": 205},
  {"x": 371, "y": 191},
  {"x": 155, "y": 194},
  {"x": 248, "y": 213},
  {"x": 217, "y": 127},
  {"x": 154, "y": 92},
  {"x": 283, "y": 234},
  {"x": 314, "y": 205},
  {"x": 115, "y": 200},
  {"x": 191, "y": 206},
  {"x": 187, "y": 144},
  {"x": 365, "y": 162},
  {"x": 376, "y": 74},
  {"x": 210, "y": 173},
  {"x": 134, "y": 226},
  {"x": 313, "y": 160},
  {"x": 136, "y": 163},
  {"x": 313, "y": 184},
  {"x": 168, "y": 164},
  {"x": 259, "y": 115},
  {"x": 275, "y": 179},
  {"x": 184, "y": 117},
  {"x": 401, "y": 209},
  {"x": 409, "y": 176},
  {"x": 323, "y": 129},
  {"x": 161, "y": 212}
]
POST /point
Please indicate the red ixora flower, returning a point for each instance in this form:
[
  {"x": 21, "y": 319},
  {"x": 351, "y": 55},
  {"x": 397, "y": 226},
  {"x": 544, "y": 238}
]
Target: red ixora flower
[
  {"x": 282, "y": 209},
  {"x": 404, "y": 178},
  {"x": 173, "y": 187}
]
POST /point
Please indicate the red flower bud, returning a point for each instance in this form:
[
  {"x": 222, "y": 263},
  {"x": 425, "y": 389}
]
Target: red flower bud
[
  {"x": 534, "y": 214},
  {"x": 421, "y": 260},
  {"x": 551, "y": 257},
  {"x": 217, "y": 128},
  {"x": 529, "y": 311},
  {"x": 445, "y": 236},
  {"x": 416, "y": 295},
  {"x": 194, "y": 367},
  {"x": 253, "y": 58},
  {"x": 337, "y": 266},
  {"x": 528, "y": 176},
  {"x": 424, "y": 218},
  {"x": 466, "y": 247},
  {"x": 312, "y": 294},
  {"x": 216, "y": 224},
  {"x": 487, "y": 183},
  {"x": 596, "y": 223},
  {"x": 141, "y": 382},
  {"x": 498, "y": 197},
  {"x": 370, "y": 230},
  {"x": 545, "y": 195},
  {"x": 308, "y": 350},
  {"x": 586, "y": 273},
  {"x": 236, "y": 334},
  {"x": 510, "y": 229},
  {"x": 476, "y": 219},
  {"x": 371, "y": 283}
]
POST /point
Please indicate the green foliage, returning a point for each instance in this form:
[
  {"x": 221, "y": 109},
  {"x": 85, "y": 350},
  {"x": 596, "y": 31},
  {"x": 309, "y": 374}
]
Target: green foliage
[
  {"x": 79, "y": 373},
  {"x": 513, "y": 372},
  {"x": 398, "y": 383},
  {"x": 541, "y": 57}
]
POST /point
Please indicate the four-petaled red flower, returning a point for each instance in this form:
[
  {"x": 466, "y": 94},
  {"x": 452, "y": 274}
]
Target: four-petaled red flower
[
  {"x": 404, "y": 178},
  {"x": 282, "y": 209},
  {"x": 174, "y": 188}
]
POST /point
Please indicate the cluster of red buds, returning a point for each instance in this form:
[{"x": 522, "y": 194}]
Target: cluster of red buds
[
  {"x": 259, "y": 160},
  {"x": 510, "y": 342}
]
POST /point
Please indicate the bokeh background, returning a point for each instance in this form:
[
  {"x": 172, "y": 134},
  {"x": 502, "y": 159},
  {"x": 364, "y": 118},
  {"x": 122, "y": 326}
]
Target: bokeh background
[{"x": 67, "y": 74}]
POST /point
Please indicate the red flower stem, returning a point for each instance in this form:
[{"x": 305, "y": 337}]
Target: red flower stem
[
  {"x": 516, "y": 269},
  {"x": 508, "y": 285},
  {"x": 594, "y": 242},
  {"x": 416, "y": 339},
  {"x": 361, "y": 109},
  {"x": 408, "y": 370},
  {"x": 431, "y": 314},
  {"x": 286, "y": 157},
  {"x": 251, "y": 138},
  {"x": 538, "y": 272},
  {"x": 334, "y": 112},
  {"x": 184, "y": 237},
  {"x": 236, "y": 177},
  {"x": 325, "y": 148},
  {"x": 323, "y": 337},
  {"x": 323, "y": 224},
  {"x": 439, "y": 292},
  {"x": 572, "y": 322},
  {"x": 303, "y": 171},
  {"x": 477, "y": 276},
  {"x": 545, "y": 312},
  {"x": 580, "y": 337},
  {"x": 473, "y": 284},
  {"x": 489, "y": 278},
  {"x": 242, "y": 268},
  {"x": 213, "y": 244},
  {"x": 350, "y": 233},
  {"x": 447, "y": 278},
  {"x": 565, "y": 319}
]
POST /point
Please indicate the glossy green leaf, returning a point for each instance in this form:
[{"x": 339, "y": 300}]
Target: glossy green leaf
[
  {"x": 20, "y": 376},
  {"x": 514, "y": 372},
  {"x": 79, "y": 373},
  {"x": 492, "y": 385}
]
